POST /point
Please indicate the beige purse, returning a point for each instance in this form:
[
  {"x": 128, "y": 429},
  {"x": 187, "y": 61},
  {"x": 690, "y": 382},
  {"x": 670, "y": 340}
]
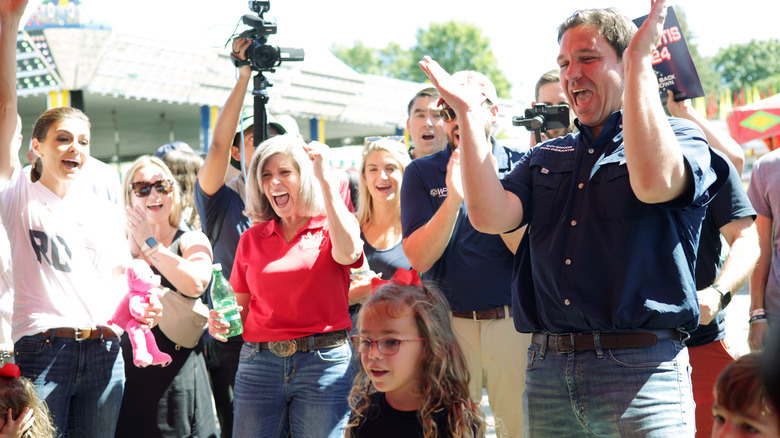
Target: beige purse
[{"x": 184, "y": 319}]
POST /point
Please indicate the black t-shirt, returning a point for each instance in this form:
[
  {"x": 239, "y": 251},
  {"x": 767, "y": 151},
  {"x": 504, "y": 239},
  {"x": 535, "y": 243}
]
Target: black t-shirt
[
  {"x": 383, "y": 421},
  {"x": 729, "y": 204}
]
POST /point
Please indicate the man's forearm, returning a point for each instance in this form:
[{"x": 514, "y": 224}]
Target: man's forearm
[{"x": 426, "y": 244}]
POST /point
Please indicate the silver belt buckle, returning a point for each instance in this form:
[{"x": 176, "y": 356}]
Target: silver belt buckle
[
  {"x": 78, "y": 334},
  {"x": 283, "y": 348}
]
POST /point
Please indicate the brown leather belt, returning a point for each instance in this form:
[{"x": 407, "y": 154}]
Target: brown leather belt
[
  {"x": 476, "y": 315},
  {"x": 307, "y": 343},
  {"x": 567, "y": 343},
  {"x": 80, "y": 334}
]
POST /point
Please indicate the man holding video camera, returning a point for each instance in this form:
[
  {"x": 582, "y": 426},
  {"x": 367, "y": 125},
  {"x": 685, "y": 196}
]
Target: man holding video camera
[
  {"x": 548, "y": 91},
  {"x": 474, "y": 270},
  {"x": 614, "y": 213}
]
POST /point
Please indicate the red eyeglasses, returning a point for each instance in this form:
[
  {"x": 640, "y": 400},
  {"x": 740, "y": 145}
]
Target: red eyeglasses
[{"x": 143, "y": 189}]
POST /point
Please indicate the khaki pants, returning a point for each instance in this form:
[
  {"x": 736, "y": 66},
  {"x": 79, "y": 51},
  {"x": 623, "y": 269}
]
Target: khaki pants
[{"x": 496, "y": 355}]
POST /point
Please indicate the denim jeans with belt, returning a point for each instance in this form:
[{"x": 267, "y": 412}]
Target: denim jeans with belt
[
  {"x": 81, "y": 381},
  {"x": 305, "y": 393},
  {"x": 620, "y": 392}
]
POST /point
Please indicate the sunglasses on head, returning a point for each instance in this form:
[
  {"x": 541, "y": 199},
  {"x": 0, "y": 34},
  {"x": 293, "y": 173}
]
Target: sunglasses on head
[
  {"x": 448, "y": 114},
  {"x": 142, "y": 189}
]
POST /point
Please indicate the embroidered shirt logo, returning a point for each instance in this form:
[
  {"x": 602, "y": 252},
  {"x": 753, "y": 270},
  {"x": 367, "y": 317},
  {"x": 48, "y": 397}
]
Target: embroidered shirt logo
[
  {"x": 440, "y": 192},
  {"x": 556, "y": 148},
  {"x": 312, "y": 240}
]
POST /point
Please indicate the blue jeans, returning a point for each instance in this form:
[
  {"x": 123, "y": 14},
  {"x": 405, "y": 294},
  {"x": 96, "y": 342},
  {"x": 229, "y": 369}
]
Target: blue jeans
[
  {"x": 620, "y": 392},
  {"x": 305, "y": 393},
  {"x": 81, "y": 381}
]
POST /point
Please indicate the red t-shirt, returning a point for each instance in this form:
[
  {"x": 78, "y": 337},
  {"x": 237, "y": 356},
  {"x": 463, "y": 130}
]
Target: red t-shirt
[{"x": 296, "y": 288}]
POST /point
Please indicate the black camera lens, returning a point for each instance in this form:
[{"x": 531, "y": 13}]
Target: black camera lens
[{"x": 262, "y": 56}]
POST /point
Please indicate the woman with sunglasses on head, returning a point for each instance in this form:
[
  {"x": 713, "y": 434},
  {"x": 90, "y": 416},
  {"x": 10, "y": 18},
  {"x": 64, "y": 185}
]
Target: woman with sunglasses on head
[
  {"x": 413, "y": 379},
  {"x": 69, "y": 251},
  {"x": 175, "y": 400},
  {"x": 291, "y": 276},
  {"x": 379, "y": 215}
]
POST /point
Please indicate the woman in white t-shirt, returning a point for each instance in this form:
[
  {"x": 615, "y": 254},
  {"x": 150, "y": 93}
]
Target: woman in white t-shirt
[{"x": 69, "y": 251}]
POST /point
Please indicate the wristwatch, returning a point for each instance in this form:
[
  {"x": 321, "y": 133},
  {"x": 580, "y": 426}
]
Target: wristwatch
[
  {"x": 148, "y": 244},
  {"x": 725, "y": 297}
]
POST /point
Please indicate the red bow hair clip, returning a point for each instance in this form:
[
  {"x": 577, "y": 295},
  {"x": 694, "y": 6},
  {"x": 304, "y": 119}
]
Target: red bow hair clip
[
  {"x": 10, "y": 370},
  {"x": 402, "y": 277}
]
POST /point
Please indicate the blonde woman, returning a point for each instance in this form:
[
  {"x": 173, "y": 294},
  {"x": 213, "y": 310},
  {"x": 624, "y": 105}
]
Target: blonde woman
[
  {"x": 172, "y": 401},
  {"x": 291, "y": 276},
  {"x": 379, "y": 215}
]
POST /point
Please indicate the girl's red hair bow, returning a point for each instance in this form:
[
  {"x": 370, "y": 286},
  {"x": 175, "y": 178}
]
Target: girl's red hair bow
[
  {"x": 10, "y": 370},
  {"x": 402, "y": 277}
]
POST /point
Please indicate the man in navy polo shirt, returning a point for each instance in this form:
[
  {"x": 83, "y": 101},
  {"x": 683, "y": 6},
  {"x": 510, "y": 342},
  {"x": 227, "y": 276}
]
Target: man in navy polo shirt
[
  {"x": 614, "y": 214},
  {"x": 473, "y": 270}
]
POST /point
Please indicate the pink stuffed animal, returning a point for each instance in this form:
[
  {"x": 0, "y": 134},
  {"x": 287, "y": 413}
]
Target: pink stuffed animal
[{"x": 143, "y": 287}]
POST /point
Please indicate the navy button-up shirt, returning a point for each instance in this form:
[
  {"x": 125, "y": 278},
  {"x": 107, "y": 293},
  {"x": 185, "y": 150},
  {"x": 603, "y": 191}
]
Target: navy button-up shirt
[
  {"x": 602, "y": 260},
  {"x": 475, "y": 270}
]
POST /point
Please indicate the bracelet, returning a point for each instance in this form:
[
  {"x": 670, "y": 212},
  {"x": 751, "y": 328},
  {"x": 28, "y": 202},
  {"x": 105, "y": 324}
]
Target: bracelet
[
  {"x": 757, "y": 312},
  {"x": 757, "y": 318},
  {"x": 152, "y": 250}
]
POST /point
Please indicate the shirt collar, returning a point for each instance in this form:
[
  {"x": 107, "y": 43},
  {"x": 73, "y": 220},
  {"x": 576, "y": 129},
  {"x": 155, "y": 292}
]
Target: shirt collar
[
  {"x": 610, "y": 125},
  {"x": 272, "y": 226}
]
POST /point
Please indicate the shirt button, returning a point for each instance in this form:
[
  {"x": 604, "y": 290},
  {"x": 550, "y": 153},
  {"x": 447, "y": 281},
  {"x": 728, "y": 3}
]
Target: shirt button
[
  {"x": 573, "y": 223},
  {"x": 566, "y": 301},
  {"x": 590, "y": 151},
  {"x": 580, "y": 185},
  {"x": 567, "y": 262}
]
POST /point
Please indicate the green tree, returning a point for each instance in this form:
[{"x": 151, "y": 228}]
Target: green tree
[
  {"x": 458, "y": 46},
  {"x": 745, "y": 64},
  {"x": 392, "y": 61},
  {"x": 362, "y": 59}
]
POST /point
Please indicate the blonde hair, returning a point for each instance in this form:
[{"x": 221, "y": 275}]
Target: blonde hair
[
  {"x": 174, "y": 217},
  {"x": 444, "y": 378},
  {"x": 310, "y": 202},
  {"x": 398, "y": 151},
  {"x": 184, "y": 167},
  {"x": 19, "y": 393}
]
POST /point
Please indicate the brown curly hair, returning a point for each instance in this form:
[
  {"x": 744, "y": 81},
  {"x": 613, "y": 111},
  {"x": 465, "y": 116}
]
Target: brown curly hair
[{"x": 444, "y": 382}]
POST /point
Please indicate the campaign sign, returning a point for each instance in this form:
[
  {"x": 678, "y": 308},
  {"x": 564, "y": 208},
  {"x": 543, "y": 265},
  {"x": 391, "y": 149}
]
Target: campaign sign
[{"x": 672, "y": 62}]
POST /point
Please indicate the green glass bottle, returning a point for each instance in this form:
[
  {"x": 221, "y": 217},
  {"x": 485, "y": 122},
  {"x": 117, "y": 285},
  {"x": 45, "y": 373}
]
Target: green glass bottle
[{"x": 224, "y": 300}]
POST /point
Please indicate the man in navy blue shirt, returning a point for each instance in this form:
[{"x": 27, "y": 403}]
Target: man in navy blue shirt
[
  {"x": 614, "y": 212},
  {"x": 473, "y": 269}
]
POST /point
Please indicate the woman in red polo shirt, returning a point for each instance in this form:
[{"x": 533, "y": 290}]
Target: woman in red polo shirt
[{"x": 291, "y": 276}]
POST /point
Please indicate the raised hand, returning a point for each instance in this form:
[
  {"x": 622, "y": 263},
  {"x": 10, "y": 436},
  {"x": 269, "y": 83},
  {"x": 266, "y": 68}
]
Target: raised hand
[
  {"x": 459, "y": 96},
  {"x": 318, "y": 154},
  {"x": 647, "y": 38},
  {"x": 12, "y": 8}
]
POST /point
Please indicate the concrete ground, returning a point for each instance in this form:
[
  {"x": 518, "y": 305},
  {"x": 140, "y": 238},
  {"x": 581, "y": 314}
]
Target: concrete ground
[{"x": 736, "y": 334}]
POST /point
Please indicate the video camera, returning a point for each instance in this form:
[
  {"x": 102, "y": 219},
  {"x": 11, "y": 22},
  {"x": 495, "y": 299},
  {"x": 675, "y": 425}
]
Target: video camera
[
  {"x": 261, "y": 56},
  {"x": 543, "y": 117}
]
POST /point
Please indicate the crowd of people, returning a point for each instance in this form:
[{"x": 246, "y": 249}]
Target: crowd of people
[{"x": 581, "y": 285}]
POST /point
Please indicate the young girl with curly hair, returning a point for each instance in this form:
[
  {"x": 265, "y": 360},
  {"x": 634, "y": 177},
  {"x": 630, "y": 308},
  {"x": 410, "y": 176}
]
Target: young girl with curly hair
[
  {"x": 413, "y": 379},
  {"x": 22, "y": 413}
]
